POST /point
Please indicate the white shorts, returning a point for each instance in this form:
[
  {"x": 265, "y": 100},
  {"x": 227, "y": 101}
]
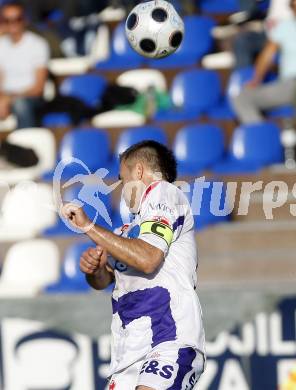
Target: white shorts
[{"x": 166, "y": 367}]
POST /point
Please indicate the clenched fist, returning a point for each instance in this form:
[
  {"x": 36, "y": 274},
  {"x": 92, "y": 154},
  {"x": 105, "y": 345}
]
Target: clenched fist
[
  {"x": 92, "y": 260},
  {"x": 76, "y": 216}
]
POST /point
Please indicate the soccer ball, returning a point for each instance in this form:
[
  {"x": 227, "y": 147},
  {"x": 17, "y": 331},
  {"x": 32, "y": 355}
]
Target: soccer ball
[{"x": 154, "y": 29}]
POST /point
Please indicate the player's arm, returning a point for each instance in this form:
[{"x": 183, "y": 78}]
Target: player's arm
[
  {"x": 93, "y": 263},
  {"x": 135, "y": 253}
]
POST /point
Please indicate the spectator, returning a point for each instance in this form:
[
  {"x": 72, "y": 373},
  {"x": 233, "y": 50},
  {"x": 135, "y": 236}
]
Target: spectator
[
  {"x": 250, "y": 41},
  {"x": 255, "y": 98},
  {"x": 23, "y": 67}
]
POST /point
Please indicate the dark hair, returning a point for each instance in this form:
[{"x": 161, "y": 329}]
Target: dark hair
[{"x": 156, "y": 155}]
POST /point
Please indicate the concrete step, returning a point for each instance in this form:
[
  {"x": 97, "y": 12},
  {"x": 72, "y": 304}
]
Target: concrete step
[{"x": 250, "y": 252}]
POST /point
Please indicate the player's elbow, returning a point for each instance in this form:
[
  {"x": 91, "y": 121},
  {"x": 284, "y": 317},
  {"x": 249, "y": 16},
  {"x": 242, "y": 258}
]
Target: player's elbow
[{"x": 152, "y": 262}]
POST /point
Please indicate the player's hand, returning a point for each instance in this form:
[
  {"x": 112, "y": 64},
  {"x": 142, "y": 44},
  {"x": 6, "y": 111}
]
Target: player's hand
[
  {"x": 92, "y": 260},
  {"x": 76, "y": 216}
]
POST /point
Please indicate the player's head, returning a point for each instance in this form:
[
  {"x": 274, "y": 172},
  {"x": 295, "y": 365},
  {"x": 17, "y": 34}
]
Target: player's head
[
  {"x": 12, "y": 15},
  {"x": 143, "y": 163}
]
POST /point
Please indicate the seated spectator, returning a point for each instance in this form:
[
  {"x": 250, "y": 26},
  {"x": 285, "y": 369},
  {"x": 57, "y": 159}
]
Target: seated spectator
[
  {"x": 256, "y": 98},
  {"x": 23, "y": 67},
  {"x": 251, "y": 39}
]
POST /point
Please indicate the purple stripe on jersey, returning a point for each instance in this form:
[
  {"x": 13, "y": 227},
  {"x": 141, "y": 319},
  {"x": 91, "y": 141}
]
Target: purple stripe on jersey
[
  {"x": 178, "y": 222},
  {"x": 185, "y": 359},
  {"x": 151, "y": 302},
  {"x": 114, "y": 306}
]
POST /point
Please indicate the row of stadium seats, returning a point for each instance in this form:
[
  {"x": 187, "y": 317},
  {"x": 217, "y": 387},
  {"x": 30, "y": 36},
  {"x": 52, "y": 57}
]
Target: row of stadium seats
[
  {"x": 32, "y": 267},
  {"x": 198, "y": 147},
  {"x": 193, "y": 93},
  {"x": 29, "y": 211},
  {"x": 122, "y": 56}
]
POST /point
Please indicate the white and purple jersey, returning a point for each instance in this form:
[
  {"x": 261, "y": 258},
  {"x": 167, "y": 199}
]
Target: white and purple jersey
[{"x": 163, "y": 306}]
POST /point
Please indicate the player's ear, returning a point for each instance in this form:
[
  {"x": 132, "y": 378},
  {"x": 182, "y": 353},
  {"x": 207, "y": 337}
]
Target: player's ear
[{"x": 139, "y": 170}]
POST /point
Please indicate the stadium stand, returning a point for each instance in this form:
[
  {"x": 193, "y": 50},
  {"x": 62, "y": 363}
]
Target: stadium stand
[
  {"x": 198, "y": 147},
  {"x": 143, "y": 79},
  {"x": 71, "y": 279},
  {"x": 87, "y": 88},
  {"x": 122, "y": 56},
  {"x": 27, "y": 209},
  {"x": 219, "y": 7},
  {"x": 28, "y": 267},
  {"x": 82, "y": 146},
  {"x": 238, "y": 253},
  {"x": 193, "y": 92},
  {"x": 42, "y": 142},
  {"x": 246, "y": 154},
  {"x": 207, "y": 203},
  {"x": 190, "y": 52},
  {"x": 131, "y": 136}
]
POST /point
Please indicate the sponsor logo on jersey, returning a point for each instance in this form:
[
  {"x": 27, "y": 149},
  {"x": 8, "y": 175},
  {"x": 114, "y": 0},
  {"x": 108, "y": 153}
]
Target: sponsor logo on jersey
[
  {"x": 112, "y": 385},
  {"x": 160, "y": 207},
  {"x": 157, "y": 368}
]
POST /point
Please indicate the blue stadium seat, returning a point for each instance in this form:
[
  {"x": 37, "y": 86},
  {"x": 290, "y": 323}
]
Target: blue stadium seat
[
  {"x": 208, "y": 200},
  {"x": 197, "y": 42},
  {"x": 56, "y": 119},
  {"x": 197, "y": 147},
  {"x": 72, "y": 280},
  {"x": 219, "y": 6},
  {"x": 238, "y": 79},
  {"x": 89, "y": 145},
  {"x": 89, "y": 88},
  {"x": 132, "y": 136},
  {"x": 282, "y": 112},
  {"x": 192, "y": 93},
  {"x": 252, "y": 148},
  {"x": 122, "y": 55},
  {"x": 236, "y": 82},
  {"x": 221, "y": 111}
]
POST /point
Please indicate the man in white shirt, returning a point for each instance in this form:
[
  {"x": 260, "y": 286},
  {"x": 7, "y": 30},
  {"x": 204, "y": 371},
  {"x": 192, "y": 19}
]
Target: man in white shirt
[
  {"x": 158, "y": 336},
  {"x": 257, "y": 96},
  {"x": 23, "y": 67},
  {"x": 253, "y": 36}
]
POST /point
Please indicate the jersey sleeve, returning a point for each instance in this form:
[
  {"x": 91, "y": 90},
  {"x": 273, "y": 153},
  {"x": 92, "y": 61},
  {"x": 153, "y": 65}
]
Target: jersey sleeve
[{"x": 161, "y": 220}]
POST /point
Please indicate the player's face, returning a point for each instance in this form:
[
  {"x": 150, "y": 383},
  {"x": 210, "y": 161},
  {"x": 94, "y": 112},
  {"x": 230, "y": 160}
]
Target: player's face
[
  {"x": 133, "y": 186},
  {"x": 13, "y": 20}
]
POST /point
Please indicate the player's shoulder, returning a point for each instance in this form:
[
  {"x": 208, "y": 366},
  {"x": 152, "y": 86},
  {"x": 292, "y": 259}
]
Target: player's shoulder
[
  {"x": 164, "y": 192},
  {"x": 171, "y": 191}
]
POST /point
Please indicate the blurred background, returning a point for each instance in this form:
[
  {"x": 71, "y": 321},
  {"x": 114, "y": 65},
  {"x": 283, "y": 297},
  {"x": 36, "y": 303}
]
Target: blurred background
[{"x": 71, "y": 87}]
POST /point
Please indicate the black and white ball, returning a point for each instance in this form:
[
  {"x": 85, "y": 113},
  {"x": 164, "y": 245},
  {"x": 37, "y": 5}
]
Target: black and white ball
[{"x": 154, "y": 29}]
